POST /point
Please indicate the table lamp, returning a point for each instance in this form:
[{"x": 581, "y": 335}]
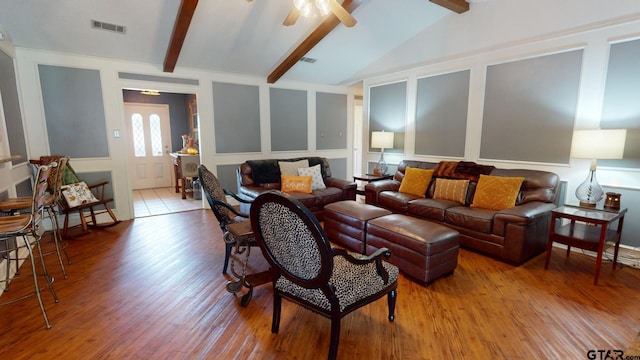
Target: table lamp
[
  {"x": 382, "y": 140},
  {"x": 594, "y": 145}
]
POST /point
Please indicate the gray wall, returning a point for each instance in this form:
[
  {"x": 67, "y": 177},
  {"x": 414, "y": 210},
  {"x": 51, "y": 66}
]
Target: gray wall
[
  {"x": 289, "y": 123},
  {"x": 236, "y": 110},
  {"x": 11, "y": 106},
  {"x": 74, "y": 111},
  {"x": 630, "y": 199},
  {"x": 388, "y": 111},
  {"x": 441, "y": 114},
  {"x": 620, "y": 109},
  {"x": 331, "y": 121},
  {"x": 530, "y": 107}
]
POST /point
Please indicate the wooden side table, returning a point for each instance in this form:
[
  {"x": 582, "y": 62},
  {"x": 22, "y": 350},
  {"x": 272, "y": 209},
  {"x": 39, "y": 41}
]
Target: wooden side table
[
  {"x": 587, "y": 229},
  {"x": 369, "y": 178},
  {"x": 184, "y": 166}
]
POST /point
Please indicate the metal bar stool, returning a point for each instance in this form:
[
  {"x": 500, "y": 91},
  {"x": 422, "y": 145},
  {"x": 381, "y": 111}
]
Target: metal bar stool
[{"x": 22, "y": 232}]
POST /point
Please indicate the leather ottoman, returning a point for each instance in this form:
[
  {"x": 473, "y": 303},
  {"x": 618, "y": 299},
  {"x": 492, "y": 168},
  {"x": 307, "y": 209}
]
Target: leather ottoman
[
  {"x": 345, "y": 223},
  {"x": 421, "y": 249}
]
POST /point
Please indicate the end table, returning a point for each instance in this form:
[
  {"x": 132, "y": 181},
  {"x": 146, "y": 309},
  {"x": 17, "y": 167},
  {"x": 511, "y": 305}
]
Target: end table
[
  {"x": 587, "y": 229},
  {"x": 369, "y": 178}
]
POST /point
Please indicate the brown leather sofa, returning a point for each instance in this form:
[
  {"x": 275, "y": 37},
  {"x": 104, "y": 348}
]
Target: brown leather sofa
[
  {"x": 257, "y": 176},
  {"x": 512, "y": 235}
]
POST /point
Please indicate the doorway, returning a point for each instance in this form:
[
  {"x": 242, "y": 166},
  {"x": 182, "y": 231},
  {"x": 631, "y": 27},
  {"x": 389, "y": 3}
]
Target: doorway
[
  {"x": 150, "y": 131},
  {"x": 155, "y": 125}
]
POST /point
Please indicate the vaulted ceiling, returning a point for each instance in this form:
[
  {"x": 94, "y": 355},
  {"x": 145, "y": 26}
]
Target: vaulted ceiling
[{"x": 231, "y": 36}]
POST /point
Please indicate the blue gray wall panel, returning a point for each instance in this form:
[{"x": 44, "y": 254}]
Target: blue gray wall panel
[
  {"x": 236, "y": 110},
  {"x": 331, "y": 121},
  {"x": 11, "y": 106},
  {"x": 388, "y": 112},
  {"x": 289, "y": 119},
  {"x": 74, "y": 111},
  {"x": 441, "y": 114},
  {"x": 530, "y": 107}
]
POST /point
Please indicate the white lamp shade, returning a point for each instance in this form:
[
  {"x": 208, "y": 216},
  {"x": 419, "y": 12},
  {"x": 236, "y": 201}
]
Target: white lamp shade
[
  {"x": 382, "y": 139},
  {"x": 598, "y": 144}
]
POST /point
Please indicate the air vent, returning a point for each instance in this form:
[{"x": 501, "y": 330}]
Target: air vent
[
  {"x": 107, "y": 26},
  {"x": 308, "y": 60}
]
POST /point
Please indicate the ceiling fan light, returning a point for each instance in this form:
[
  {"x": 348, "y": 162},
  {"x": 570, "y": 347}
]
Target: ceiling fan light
[
  {"x": 323, "y": 7},
  {"x": 300, "y": 4}
]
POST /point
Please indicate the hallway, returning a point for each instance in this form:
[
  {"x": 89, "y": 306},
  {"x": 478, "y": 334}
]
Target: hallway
[{"x": 149, "y": 202}]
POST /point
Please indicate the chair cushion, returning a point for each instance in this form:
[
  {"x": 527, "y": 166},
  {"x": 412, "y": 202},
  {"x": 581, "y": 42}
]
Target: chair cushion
[
  {"x": 352, "y": 282},
  {"x": 78, "y": 194}
]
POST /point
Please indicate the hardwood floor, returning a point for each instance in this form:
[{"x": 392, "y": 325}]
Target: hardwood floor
[{"x": 152, "y": 288}]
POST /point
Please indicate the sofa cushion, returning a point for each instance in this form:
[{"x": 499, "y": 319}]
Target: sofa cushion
[
  {"x": 396, "y": 201},
  {"x": 476, "y": 219},
  {"x": 291, "y": 167},
  {"x": 299, "y": 184},
  {"x": 316, "y": 173},
  {"x": 497, "y": 192},
  {"x": 454, "y": 190},
  {"x": 264, "y": 171},
  {"x": 430, "y": 208},
  {"x": 415, "y": 181}
]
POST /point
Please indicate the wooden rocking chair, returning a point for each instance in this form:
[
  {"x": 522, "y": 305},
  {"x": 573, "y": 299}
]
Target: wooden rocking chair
[
  {"x": 100, "y": 205},
  {"x": 91, "y": 203}
]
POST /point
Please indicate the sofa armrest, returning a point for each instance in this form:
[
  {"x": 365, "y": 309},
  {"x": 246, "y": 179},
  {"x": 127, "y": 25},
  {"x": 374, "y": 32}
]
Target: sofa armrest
[
  {"x": 348, "y": 187},
  {"x": 340, "y": 183},
  {"x": 522, "y": 215},
  {"x": 372, "y": 189}
]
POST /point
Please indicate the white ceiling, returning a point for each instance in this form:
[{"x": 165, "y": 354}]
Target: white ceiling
[
  {"x": 234, "y": 36},
  {"x": 237, "y": 36}
]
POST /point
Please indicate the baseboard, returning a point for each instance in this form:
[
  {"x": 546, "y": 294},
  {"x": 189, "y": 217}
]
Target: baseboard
[{"x": 627, "y": 255}]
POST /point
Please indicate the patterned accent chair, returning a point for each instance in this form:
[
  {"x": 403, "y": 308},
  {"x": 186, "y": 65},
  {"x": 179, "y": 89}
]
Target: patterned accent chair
[
  {"x": 310, "y": 272},
  {"x": 216, "y": 197}
]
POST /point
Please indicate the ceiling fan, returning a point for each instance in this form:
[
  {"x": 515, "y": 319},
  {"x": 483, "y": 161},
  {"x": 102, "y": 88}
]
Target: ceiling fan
[{"x": 313, "y": 8}]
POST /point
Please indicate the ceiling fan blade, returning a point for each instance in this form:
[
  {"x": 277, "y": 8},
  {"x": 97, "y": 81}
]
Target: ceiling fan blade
[
  {"x": 291, "y": 17},
  {"x": 343, "y": 15}
]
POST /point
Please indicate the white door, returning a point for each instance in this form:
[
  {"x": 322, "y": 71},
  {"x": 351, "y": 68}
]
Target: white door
[
  {"x": 357, "y": 139},
  {"x": 149, "y": 130}
]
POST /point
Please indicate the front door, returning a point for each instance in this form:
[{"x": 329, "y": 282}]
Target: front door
[{"x": 149, "y": 130}]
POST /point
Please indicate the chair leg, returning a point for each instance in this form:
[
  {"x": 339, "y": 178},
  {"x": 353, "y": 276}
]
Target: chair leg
[
  {"x": 47, "y": 277},
  {"x": 57, "y": 240},
  {"x": 391, "y": 300},
  {"x": 35, "y": 282},
  {"x": 227, "y": 255},
  {"x": 277, "y": 302},
  {"x": 335, "y": 338}
]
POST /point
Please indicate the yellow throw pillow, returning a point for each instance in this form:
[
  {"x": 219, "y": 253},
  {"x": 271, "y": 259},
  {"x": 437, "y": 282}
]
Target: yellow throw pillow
[
  {"x": 415, "y": 181},
  {"x": 454, "y": 190},
  {"x": 297, "y": 184},
  {"x": 497, "y": 192}
]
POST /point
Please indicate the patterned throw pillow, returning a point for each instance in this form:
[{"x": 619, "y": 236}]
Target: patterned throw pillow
[
  {"x": 296, "y": 184},
  {"x": 415, "y": 181},
  {"x": 77, "y": 194},
  {"x": 316, "y": 173},
  {"x": 454, "y": 190},
  {"x": 497, "y": 192},
  {"x": 291, "y": 167}
]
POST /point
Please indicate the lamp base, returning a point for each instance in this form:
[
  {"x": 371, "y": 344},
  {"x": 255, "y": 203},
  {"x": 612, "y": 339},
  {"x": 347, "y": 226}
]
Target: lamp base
[
  {"x": 588, "y": 205},
  {"x": 589, "y": 193},
  {"x": 381, "y": 166}
]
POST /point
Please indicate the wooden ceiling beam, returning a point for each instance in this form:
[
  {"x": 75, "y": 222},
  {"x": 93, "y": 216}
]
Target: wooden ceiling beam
[
  {"x": 458, "y": 6},
  {"x": 180, "y": 28},
  {"x": 312, "y": 40}
]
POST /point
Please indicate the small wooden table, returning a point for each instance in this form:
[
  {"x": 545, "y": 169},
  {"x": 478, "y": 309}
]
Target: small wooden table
[
  {"x": 587, "y": 229},
  {"x": 184, "y": 166},
  {"x": 369, "y": 178},
  {"x": 242, "y": 230}
]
